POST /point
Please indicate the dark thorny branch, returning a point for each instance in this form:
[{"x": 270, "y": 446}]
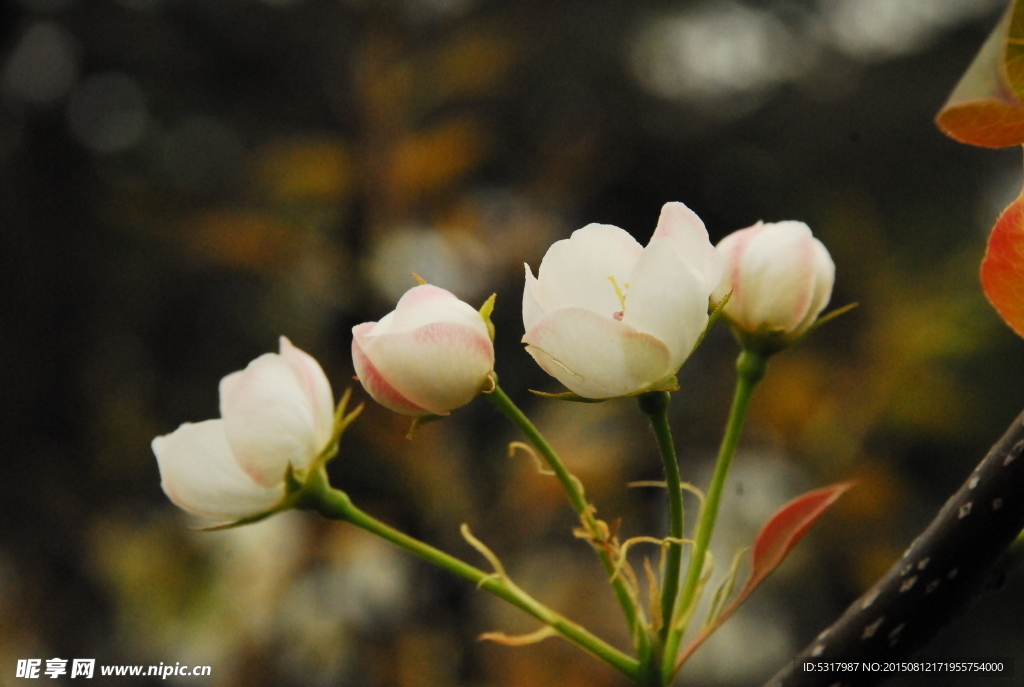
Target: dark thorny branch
[{"x": 937, "y": 579}]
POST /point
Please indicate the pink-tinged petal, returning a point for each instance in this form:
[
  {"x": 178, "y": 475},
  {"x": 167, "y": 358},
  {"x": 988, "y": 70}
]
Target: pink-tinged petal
[
  {"x": 374, "y": 382},
  {"x": 575, "y": 271},
  {"x": 428, "y": 304},
  {"x": 781, "y": 277},
  {"x": 684, "y": 228},
  {"x": 532, "y": 309},
  {"x": 439, "y": 366},
  {"x": 731, "y": 248},
  {"x": 228, "y": 383},
  {"x": 595, "y": 356},
  {"x": 667, "y": 300},
  {"x": 199, "y": 474},
  {"x": 318, "y": 390},
  {"x": 777, "y": 277},
  {"x": 269, "y": 420},
  {"x": 824, "y": 279}
]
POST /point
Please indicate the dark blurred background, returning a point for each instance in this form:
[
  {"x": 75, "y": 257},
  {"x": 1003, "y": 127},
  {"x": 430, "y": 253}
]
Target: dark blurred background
[{"x": 183, "y": 181}]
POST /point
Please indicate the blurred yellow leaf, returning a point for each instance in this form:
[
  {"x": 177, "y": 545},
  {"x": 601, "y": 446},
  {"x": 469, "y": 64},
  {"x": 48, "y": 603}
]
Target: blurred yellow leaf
[
  {"x": 471, "y": 64},
  {"x": 432, "y": 159},
  {"x": 242, "y": 238},
  {"x": 305, "y": 169}
]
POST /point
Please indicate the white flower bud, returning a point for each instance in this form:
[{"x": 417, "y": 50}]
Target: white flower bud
[
  {"x": 781, "y": 279},
  {"x": 432, "y": 354}
]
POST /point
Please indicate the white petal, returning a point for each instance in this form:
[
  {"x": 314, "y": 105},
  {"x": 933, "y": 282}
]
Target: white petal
[
  {"x": 270, "y": 419},
  {"x": 594, "y": 356},
  {"x": 667, "y": 300},
  {"x": 199, "y": 474},
  {"x": 318, "y": 390},
  {"x": 373, "y": 381},
  {"x": 731, "y": 248},
  {"x": 439, "y": 366},
  {"x": 687, "y": 232},
  {"x": 575, "y": 271},
  {"x": 532, "y": 309},
  {"x": 824, "y": 278},
  {"x": 427, "y": 304},
  {"x": 777, "y": 271}
]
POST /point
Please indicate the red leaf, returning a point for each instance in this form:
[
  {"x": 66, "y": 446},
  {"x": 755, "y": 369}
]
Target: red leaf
[
  {"x": 1002, "y": 268},
  {"x": 781, "y": 533},
  {"x": 788, "y": 526},
  {"x": 985, "y": 108},
  {"x": 988, "y": 123}
]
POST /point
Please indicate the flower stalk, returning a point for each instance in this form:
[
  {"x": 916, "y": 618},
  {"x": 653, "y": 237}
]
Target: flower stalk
[
  {"x": 655, "y": 405},
  {"x": 750, "y": 367},
  {"x": 336, "y": 505},
  {"x": 574, "y": 490}
]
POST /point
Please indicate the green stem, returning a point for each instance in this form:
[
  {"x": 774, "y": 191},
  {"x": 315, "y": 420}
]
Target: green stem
[
  {"x": 336, "y": 505},
  {"x": 750, "y": 368},
  {"x": 569, "y": 483},
  {"x": 655, "y": 405},
  {"x": 574, "y": 489}
]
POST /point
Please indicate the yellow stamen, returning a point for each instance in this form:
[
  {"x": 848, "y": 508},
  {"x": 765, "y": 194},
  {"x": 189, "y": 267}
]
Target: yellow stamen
[{"x": 620, "y": 292}]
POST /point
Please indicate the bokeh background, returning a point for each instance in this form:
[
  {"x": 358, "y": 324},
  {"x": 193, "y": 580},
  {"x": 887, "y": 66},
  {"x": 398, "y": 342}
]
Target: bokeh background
[{"x": 183, "y": 181}]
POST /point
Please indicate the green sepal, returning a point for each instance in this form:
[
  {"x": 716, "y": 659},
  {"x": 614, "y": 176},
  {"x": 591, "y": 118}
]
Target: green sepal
[
  {"x": 420, "y": 421},
  {"x": 292, "y": 485},
  {"x": 828, "y": 317},
  {"x": 725, "y": 589},
  {"x": 716, "y": 313},
  {"x": 770, "y": 342},
  {"x": 485, "y": 312},
  {"x": 341, "y": 423},
  {"x": 669, "y": 383},
  {"x": 292, "y": 493},
  {"x": 298, "y": 482},
  {"x": 568, "y": 396},
  {"x": 247, "y": 520}
]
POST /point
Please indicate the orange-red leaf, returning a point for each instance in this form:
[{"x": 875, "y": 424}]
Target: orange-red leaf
[
  {"x": 1002, "y": 269},
  {"x": 985, "y": 108},
  {"x": 788, "y": 526},
  {"x": 777, "y": 538},
  {"x": 989, "y": 123},
  {"x": 1013, "y": 55}
]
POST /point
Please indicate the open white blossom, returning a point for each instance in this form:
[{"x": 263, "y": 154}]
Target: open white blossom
[
  {"x": 278, "y": 411},
  {"x": 608, "y": 317}
]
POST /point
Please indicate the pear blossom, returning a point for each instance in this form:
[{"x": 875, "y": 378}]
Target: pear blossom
[
  {"x": 781, "y": 279},
  {"x": 430, "y": 355},
  {"x": 608, "y": 317},
  {"x": 277, "y": 412}
]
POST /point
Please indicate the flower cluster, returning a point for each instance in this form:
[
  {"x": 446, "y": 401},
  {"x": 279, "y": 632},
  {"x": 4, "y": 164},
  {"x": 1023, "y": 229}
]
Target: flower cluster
[{"x": 605, "y": 316}]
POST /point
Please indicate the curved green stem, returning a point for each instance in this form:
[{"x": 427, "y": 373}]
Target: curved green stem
[
  {"x": 336, "y": 505},
  {"x": 574, "y": 490},
  {"x": 750, "y": 367},
  {"x": 571, "y": 485},
  {"x": 655, "y": 405}
]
